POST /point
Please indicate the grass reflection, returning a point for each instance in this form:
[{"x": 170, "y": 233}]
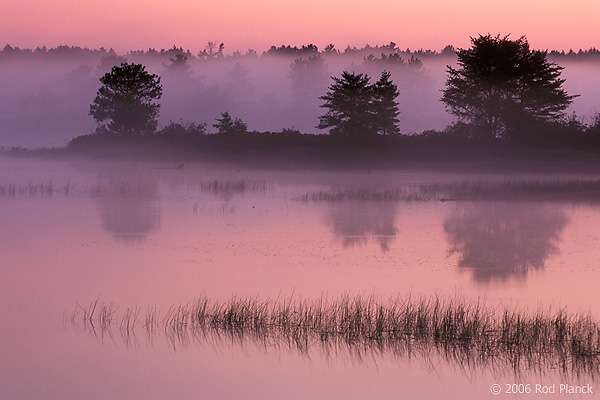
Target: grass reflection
[{"x": 467, "y": 333}]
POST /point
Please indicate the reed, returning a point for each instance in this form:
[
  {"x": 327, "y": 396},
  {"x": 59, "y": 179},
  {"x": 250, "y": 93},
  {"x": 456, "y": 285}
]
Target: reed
[
  {"x": 467, "y": 331},
  {"x": 407, "y": 193},
  {"x": 43, "y": 189},
  {"x": 577, "y": 190},
  {"x": 68, "y": 189},
  {"x": 534, "y": 189},
  {"x": 217, "y": 186}
]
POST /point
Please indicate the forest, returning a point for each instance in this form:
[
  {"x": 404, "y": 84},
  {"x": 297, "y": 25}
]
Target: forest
[{"x": 279, "y": 100}]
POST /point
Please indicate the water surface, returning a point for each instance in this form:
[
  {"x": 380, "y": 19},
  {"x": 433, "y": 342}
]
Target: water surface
[{"x": 145, "y": 235}]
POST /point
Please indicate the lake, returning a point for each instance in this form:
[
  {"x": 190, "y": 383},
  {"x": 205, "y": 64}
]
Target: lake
[{"x": 148, "y": 238}]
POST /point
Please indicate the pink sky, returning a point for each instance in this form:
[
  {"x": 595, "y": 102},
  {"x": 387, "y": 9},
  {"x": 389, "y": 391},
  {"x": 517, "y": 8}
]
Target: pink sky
[{"x": 242, "y": 24}]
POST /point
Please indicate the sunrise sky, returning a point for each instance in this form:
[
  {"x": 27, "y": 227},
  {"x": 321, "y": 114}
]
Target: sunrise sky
[{"x": 241, "y": 24}]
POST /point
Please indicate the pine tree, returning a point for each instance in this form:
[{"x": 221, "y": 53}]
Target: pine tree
[
  {"x": 125, "y": 100},
  {"x": 349, "y": 102},
  {"x": 385, "y": 107},
  {"x": 360, "y": 109},
  {"x": 502, "y": 84},
  {"x": 227, "y": 125}
]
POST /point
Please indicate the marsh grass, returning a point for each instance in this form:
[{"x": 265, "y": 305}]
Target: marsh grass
[
  {"x": 51, "y": 189},
  {"x": 123, "y": 189},
  {"x": 227, "y": 186},
  {"x": 44, "y": 189},
  {"x": 467, "y": 332},
  {"x": 578, "y": 190},
  {"x": 540, "y": 189},
  {"x": 405, "y": 193}
]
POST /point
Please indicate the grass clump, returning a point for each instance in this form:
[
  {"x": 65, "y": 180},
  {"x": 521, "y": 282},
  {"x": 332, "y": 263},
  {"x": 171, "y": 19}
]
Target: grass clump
[{"x": 468, "y": 332}]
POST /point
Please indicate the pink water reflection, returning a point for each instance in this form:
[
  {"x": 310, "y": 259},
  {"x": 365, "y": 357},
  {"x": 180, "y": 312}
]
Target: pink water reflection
[{"x": 58, "y": 251}]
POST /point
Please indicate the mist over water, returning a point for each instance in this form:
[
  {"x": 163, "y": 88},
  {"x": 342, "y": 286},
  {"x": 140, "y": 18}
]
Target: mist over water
[
  {"x": 45, "y": 98},
  {"x": 149, "y": 235},
  {"x": 146, "y": 236}
]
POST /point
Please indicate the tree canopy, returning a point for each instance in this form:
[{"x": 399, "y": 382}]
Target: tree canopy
[
  {"x": 501, "y": 85},
  {"x": 227, "y": 125},
  {"x": 125, "y": 99},
  {"x": 358, "y": 108},
  {"x": 385, "y": 108}
]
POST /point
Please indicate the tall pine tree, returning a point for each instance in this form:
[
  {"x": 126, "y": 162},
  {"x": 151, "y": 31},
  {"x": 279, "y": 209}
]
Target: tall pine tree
[
  {"x": 358, "y": 108},
  {"x": 385, "y": 107}
]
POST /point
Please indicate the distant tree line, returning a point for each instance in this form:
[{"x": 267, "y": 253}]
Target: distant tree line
[
  {"x": 501, "y": 88},
  {"x": 214, "y": 50},
  {"x": 124, "y": 105}
]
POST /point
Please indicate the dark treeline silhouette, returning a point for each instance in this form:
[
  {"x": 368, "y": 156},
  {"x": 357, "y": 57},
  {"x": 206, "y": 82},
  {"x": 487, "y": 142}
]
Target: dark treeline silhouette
[
  {"x": 282, "y": 90},
  {"x": 47, "y": 89},
  {"x": 592, "y": 53},
  {"x": 212, "y": 50},
  {"x": 501, "y": 90}
]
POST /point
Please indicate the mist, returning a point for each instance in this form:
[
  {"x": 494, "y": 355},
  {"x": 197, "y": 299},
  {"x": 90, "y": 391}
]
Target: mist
[{"x": 46, "y": 92}]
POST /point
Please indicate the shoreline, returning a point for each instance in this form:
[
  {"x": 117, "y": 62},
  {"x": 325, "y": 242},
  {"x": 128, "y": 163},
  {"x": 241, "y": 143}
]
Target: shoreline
[{"x": 265, "y": 150}]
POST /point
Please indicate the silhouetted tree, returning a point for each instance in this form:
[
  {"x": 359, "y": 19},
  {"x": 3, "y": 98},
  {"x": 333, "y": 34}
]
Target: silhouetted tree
[
  {"x": 349, "y": 102},
  {"x": 178, "y": 67},
  {"x": 357, "y": 108},
  {"x": 210, "y": 51},
  {"x": 385, "y": 107},
  {"x": 175, "y": 51},
  {"x": 227, "y": 125},
  {"x": 126, "y": 100},
  {"x": 449, "y": 50},
  {"x": 330, "y": 49},
  {"x": 393, "y": 60},
  {"x": 289, "y": 50},
  {"x": 502, "y": 84}
]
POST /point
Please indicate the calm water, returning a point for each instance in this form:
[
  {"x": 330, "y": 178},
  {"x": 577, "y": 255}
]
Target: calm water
[{"x": 143, "y": 235}]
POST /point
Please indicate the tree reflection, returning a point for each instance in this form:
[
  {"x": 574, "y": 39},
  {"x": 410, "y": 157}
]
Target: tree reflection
[
  {"x": 129, "y": 206},
  {"x": 499, "y": 240},
  {"x": 355, "y": 222}
]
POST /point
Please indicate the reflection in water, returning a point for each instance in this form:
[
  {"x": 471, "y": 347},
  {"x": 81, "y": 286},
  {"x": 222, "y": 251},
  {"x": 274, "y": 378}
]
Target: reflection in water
[
  {"x": 468, "y": 334},
  {"x": 498, "y": 240},
  {"x": 354, "y": 222},
  {"x": 129, "y": 205}
]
